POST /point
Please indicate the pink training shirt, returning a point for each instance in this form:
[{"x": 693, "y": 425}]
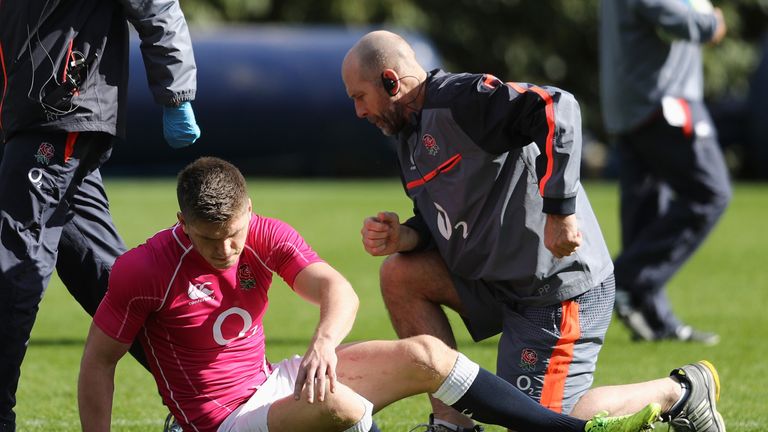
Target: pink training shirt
[{"x": 201, "y": 327}]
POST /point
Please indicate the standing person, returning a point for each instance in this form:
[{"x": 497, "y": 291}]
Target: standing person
[
  {"x": 195, "y": 295},
  {"x": 673, "y": 178},
  {"x": 64, "y": 77},
  {"x": 502, "y": 233}
]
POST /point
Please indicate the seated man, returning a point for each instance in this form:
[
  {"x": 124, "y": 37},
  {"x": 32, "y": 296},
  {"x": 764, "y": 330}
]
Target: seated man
[{"x": 195, "y": 295}]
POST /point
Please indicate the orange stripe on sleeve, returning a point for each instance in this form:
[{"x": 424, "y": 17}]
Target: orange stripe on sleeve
[
  {"x": 491, "y": 81},
  {"x": 562, "y": 356},
  {"x": 549, "y": 111}
]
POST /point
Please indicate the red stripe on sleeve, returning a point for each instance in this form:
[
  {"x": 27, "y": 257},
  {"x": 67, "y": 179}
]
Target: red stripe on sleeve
[
  {"x": 549, "y": 111},
  {"x": 491, "y": 81}
]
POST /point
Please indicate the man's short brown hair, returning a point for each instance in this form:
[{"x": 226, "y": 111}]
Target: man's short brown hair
[{"x": 212, "y": 190}]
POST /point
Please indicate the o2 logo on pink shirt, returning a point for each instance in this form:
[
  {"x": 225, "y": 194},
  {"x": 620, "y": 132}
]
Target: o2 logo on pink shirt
[{"x": 218, "y": 335}]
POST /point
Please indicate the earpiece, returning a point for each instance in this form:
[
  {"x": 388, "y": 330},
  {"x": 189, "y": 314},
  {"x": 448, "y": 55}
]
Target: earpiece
[{"x": 389, "y": 84}]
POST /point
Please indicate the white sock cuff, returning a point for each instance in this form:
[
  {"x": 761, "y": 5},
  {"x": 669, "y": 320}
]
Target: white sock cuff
[
  {"x": 365, "y": 423},
  {"x": 458, "y": 380}
]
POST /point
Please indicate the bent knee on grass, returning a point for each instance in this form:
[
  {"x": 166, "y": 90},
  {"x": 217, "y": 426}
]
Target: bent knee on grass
[
  {"x": 386, "y": 371},
  {"x": 413, "y": 277}
]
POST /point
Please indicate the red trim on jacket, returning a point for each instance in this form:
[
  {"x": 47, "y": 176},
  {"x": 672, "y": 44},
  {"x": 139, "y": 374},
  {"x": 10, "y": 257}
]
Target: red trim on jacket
[
  {"x": 491, "y": 81},
  {"x": 66, "y": 62},
  {"x": 688, "y": 124},
  {"x": 444, "y": 167},
  {"x": 69, "y": 147},
  {"x": 549, "y": 145}
]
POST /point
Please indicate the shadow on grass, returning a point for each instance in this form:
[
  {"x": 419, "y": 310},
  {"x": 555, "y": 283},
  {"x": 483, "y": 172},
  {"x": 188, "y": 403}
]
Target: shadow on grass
[{"x": 57, "y": 342}]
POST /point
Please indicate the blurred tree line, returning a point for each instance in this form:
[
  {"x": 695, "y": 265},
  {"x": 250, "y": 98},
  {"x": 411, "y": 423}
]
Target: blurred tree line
[{"x": 545, "y": 42}]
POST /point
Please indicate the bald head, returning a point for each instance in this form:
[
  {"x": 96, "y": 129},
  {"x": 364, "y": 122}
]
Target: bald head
[
  {"x": 380, "y": 50},
  {"x": 384, "y": 80}
]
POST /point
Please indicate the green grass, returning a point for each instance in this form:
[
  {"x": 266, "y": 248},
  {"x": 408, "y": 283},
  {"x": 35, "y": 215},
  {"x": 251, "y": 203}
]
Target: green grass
[{"x": 724, "y": 288}]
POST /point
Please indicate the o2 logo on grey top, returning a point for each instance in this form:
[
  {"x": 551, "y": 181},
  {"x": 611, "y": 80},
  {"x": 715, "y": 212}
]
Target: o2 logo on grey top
[{"x": 444, "y": 224}]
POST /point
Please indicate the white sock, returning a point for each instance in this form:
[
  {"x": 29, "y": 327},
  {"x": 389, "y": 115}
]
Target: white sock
[
  {"x": 458, "y": 381},
  {"x": 449, "y": 425},
  {"x": 365, "y": 423}
]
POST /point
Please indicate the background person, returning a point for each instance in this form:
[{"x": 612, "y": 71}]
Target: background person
[
  {"x": 64, "y": 76},
  {"x": 502, "y": 233},
  {"x": 672, "y": 175}
]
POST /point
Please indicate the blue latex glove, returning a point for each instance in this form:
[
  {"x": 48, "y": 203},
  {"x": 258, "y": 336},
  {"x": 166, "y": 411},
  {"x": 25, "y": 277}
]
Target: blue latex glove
[{"x": 179, "y": 126}]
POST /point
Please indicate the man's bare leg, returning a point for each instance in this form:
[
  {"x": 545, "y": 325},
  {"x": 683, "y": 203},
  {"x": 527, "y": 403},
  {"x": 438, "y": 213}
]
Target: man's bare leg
[
  {"x": 628, "y": 398},
  {"x": 385, "y": 371},
  {"x": 375, "y": 372},
  {"x": 414, "y": 286}
]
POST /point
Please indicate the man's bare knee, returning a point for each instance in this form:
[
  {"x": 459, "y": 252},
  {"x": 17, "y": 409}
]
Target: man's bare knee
[
  {"x": 408, "y": 276},
  {"x": 343, "y": 407},
  {"x": 339, "y": 410},
  {"x": 416, "y": 276},
  {"x": 394, "y": 276},
  {"x": 432, "y": 358}
]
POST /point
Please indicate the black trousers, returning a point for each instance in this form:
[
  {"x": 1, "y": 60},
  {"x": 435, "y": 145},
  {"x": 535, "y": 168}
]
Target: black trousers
[
  {"x": 674, "y": 187},
  {"x": 54, "y": 213}
]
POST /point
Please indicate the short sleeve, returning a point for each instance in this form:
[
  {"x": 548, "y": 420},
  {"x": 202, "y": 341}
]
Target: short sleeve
[
  {"x": 131, "y": 297},
  {"x": 286, "y": 250}
]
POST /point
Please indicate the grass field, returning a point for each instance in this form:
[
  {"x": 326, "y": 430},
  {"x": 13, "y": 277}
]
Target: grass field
[{"x": 724, "y": 289}]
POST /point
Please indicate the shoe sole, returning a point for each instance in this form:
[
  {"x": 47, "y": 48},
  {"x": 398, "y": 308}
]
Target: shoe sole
[{"x": 714, "y": 394}]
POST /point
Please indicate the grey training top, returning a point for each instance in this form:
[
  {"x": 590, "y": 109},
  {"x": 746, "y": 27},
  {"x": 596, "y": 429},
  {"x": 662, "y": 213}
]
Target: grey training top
[
  {"x": 650, "y": 49},
  {"x": 483, "y": 163}
]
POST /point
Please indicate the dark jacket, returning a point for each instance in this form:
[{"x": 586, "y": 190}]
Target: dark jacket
[{"x": 65, "y": 62}]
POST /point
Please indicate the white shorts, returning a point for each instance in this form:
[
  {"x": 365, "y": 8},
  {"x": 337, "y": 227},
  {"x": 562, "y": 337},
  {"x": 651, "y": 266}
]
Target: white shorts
[{"x": 252, "y": 415}]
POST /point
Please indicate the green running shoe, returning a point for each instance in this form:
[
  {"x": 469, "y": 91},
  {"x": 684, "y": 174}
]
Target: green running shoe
[{"x": 640, "y": 421}]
